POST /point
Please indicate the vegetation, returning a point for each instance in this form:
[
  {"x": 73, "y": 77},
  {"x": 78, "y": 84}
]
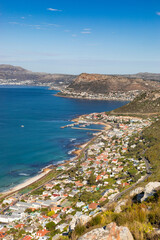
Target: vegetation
[
  {"x": 140, "y": 218},
  {"x": 79, "y": 229},
  {"x": 50, "y": 226},
  {"x": 89, "y": 197},
  {"x": 147, "y": 145},
  {"x": 40, "y": 182},
  {"x": 92, "y": 179},
  {"x": 146, "y": 102}
]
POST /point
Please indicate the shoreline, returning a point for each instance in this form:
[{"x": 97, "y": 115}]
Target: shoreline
[
  {"x": 26, "y": 183},
  {"x": 98, "y": 99},
  {"x": 46, "y": 170}
]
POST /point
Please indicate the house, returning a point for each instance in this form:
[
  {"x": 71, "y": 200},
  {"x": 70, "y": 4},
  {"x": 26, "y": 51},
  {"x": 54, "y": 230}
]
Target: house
[
  {"x": 56, "y": 209},
  {"x": 29, "y": 229},
  {"x": 125, "y": 184},
  {"x": 49, "y": 186},
  {"x": 7, "y": 219},
  {"x": 80, "y": 204},
  {"x": 54, "y": 215},
  {"x": 42, "y": 233},
  {"x": 57, "y": 220},
  {"x": 92, "y": 206},
  {"x": 27, "y": 238},
  {"x": 102, "y": 199},
  {"x": 19, "y": 226},
  {"x": 98, "y": 177},
  {"x": 9, "y": 200},
  {"x": 8, "y": 237},
  {"x": 2, "y": 235}
]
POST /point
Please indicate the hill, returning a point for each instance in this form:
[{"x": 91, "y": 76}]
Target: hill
[
  {"x": 98, "y": 83},
  {"x": 146, "y": 103},
  {"x": 13, "y": 75},
  {"x": 114, "y": 87}
]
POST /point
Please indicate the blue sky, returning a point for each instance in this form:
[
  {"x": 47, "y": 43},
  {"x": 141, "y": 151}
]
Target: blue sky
[{"x": 74, "y": 36}]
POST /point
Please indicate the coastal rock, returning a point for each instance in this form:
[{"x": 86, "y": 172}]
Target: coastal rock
[
  {"x": 119, "y": 205},
  {"x": 111, "y": 232},
  {"x": 150, "y": 189}
]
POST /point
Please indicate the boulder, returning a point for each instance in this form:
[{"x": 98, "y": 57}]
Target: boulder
[
  {"x": 136, "y": 191},
  {"x": 150, "y": 189},
  {"x": 119, "y": 204},
  {"x": 110, "y": 232},
  {"x": 83, "y": 219}
]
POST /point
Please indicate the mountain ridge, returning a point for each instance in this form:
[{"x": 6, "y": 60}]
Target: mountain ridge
[{"x": 15, "y": 75}]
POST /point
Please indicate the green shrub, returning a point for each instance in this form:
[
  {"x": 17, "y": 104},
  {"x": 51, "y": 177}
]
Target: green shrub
[
  {"x": 95, "y": 220},
  {"x": 79, "y": 229}
]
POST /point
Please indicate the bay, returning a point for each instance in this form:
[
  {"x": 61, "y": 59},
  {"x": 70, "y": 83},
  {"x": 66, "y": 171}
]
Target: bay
[{"x": 24, "y": 151}]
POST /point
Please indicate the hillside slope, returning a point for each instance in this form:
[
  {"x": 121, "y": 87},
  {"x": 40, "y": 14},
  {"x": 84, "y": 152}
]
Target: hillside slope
[
  {"x": 146, "y": 102},
  {"x": 98, "y": 83}
]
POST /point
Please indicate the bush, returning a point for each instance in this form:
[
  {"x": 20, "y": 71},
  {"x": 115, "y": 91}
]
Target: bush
[
  {"x": 79, "y": 229},
  {"x": 51, "y": 213},
  {"x": 95, "y": 220},
  {"x": 154, "y": 217}
]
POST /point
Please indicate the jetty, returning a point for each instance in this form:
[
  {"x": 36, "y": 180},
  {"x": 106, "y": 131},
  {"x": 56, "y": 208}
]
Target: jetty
[{"x": 90, "y": 129}]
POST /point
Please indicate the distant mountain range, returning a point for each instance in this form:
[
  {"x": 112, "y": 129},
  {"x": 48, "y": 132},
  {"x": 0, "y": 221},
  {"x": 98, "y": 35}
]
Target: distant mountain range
[
  {"x": 90, "y": 83},
  {"x": 13, "y": 75},
  {"x": 145, "y": 76}
]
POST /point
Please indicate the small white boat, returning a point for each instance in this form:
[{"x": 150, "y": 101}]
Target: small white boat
[{"x": 22, "y": 126}]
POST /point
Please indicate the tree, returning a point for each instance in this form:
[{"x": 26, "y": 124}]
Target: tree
[
  {"x": 51, "y": 213},
  {"x": 50, "y": 226},
  {"x": 92, "y": 179}
]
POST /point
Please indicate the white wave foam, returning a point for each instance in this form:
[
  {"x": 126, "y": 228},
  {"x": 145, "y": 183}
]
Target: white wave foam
[
  {"x": 70, "y": 152},
  {"x": 72, "y": 139},
  {"x": 23, "y": 174}
]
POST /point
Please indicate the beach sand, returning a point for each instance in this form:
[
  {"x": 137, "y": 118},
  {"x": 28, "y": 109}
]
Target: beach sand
[{"x": 26, "y": 183}]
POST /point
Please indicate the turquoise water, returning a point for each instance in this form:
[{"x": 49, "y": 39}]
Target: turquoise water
[{"x": 24, "y": 151}]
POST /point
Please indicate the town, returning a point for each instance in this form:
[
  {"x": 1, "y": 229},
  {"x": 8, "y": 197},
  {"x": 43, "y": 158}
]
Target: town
[
  {"x": 116, "y": 95},
  {"x": 83, "y": 186}
]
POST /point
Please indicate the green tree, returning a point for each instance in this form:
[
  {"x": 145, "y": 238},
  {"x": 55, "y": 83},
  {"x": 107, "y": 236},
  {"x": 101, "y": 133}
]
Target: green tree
[
  {"x": 50, "y": 226},
  {"x": 92, "y": 179}
]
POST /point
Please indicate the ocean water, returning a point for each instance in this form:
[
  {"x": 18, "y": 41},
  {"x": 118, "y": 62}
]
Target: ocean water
[{"x": 42, "y": 141}]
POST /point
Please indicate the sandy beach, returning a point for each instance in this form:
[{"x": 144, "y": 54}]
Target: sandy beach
[{"x": 26, "y": 183}]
